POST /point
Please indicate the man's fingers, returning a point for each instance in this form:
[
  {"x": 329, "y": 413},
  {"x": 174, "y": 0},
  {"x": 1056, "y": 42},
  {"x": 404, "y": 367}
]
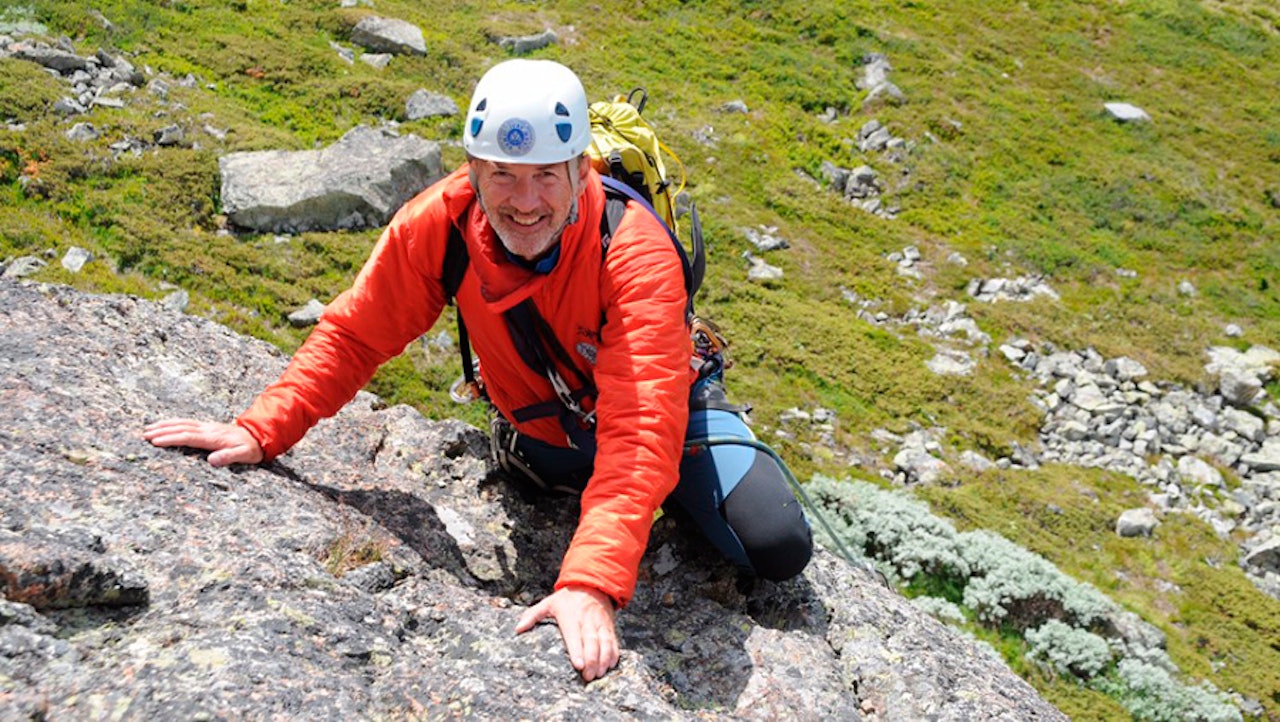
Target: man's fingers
[
  {"x": 606, "y": 646},
  {"x": 572, "y": 636},
  {"x": 229, "y": 443},
  {"x": 532, "y": 616},
  {"x": 591, "y": 660},
  {"x": 226, "y": 457}
]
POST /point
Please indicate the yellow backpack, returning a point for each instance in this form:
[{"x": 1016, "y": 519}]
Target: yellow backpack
[{"x": 625, "y": 146}]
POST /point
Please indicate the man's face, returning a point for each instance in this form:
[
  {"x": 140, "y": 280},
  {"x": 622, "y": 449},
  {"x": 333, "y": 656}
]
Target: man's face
[{"x": 527, "y": 205}]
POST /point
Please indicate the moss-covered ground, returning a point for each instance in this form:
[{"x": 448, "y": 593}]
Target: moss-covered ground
[{"x": 1015, "y": 165}]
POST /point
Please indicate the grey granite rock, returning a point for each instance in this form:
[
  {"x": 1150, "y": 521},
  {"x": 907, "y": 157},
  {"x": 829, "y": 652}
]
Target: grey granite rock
[{"x": 378, "y": 569}]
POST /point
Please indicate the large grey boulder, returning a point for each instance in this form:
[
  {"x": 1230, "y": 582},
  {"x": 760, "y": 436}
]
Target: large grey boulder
[
  {"x": 358, "y": 182},
  {"x": 388, "y": 35},
  {"x": 378, "y": 570}
]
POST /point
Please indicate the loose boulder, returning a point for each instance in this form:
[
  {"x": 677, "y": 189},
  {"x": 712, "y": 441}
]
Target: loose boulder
[
  {"x": 1136, "y": 522},
  {"x": 425, "y": 104},
  {"x": 358, "y": 182},
  {"x": 388, "y": 35}
]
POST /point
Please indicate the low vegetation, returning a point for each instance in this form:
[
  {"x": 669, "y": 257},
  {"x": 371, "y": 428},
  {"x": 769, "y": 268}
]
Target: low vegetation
[{"x": 1011, "y": 162}]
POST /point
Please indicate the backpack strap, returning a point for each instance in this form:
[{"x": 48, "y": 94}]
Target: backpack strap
[
  {"x": 693, "y": 270},
  {"x": 456, "y": 260},
  {"x": 533, "y": 337}
]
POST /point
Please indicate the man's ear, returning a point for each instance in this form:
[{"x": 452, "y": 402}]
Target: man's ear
[{"x": 584, "y": 168}]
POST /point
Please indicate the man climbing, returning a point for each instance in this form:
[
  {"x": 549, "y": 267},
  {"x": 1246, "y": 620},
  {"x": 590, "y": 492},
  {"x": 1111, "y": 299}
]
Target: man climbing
[{"x": 529, "y": 208}]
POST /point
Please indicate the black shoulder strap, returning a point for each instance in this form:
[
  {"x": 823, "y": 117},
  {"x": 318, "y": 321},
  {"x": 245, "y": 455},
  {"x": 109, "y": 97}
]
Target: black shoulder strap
[
  {"x": 456, "y": 261},
  {"x": 531, "y": 334}
]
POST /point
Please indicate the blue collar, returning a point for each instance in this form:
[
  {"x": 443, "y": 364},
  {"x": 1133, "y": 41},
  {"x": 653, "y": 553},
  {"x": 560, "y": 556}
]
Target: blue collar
[{"x": 542, "y": 266}]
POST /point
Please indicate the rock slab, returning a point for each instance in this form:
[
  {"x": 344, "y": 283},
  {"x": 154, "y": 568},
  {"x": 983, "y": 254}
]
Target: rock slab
[{"x": 377, "y": 571}]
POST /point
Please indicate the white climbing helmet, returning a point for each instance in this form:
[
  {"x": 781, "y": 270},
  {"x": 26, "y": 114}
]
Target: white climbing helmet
[{"x": 528, "y": 111}]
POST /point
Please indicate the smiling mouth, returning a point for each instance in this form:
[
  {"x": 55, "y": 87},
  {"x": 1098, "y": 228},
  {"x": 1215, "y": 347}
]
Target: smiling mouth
[{"x": 526, "y": 221}]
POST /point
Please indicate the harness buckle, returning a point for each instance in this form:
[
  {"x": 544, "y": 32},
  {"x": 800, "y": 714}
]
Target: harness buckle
[{"x": 709, "y": 341}]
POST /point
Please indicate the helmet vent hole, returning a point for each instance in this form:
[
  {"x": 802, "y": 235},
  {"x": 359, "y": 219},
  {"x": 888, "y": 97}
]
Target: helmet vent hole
[
  {"x": 484, "y": 103},
  {"x": 561, "y": 110},
  {"x": 476, "y": 124},
  {"x": 564, "y": 130}
]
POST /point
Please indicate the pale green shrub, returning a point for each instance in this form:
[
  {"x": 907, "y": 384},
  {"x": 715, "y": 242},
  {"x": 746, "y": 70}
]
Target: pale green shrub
[
  {"x": 890, "y": 526},
  {"x": 1151, "y": 693},
  {"x": 1068, "y": 650},
  {"x": 1015, "y": 586}
]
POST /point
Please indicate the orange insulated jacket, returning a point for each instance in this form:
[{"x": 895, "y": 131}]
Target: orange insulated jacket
[{"x": 620, "y": 315}]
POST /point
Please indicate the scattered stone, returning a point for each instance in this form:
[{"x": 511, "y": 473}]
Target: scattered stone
[
  {"x": 1186, "y": 288},
  {"x": 761, "y": 271},
  {"x": 734, "y": 106},
  {"x": 1241, "y": 376},
  {"x": 527, "y": 43},
  {"x": 82, "y": 132},
  {"x": 1126, "y": 113},
  {"x": 1136, "y": 522},
  {"x": 1233, "y": 331},
  {"x": 765, "y": 238},
  {"x": 358, "y": 182},
  {"x": 169, "y": 135},
  {"x": 917, "y": 466},
  {"x": 440, "y": 342},
  {"x": 159, "y": 88},
  {"x": 1265, "y": 557},
  {"x": 68, "y": 106},
  {"x": 1198, "y": 472},
  {"x": 55, "y": 59},
  {"x": 75, "y": 259},
  {"x": 860, "y": 186},
  {"x": 103, "y": 101},
  {"x": 1266, "y": 458},
  {"x": 308, "y": 315},
  {"x": 951, "y": 362},
  {"x": 387, "y": 35},
  {"x": 23, "y": 266},
  {"x": 875, "y": 137},
  {"x": 376, "y": 60},
  {"x": 425, "y": 104},
  {"x": 976, "y": 461},
  {"x": 955, "y": 258},
  {"x": 176, "y": 301},
  {"x": 1124, "y": 369},
  {"x": 1022, "y": 288},
  {"x": 706, "y": 135},
  {"x": 347, "y": 54},
  {"x": 875, "y": 80}
]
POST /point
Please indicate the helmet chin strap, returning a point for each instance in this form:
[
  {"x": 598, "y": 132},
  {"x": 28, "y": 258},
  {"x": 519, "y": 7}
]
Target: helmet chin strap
[{"x": 573, "y": 190}]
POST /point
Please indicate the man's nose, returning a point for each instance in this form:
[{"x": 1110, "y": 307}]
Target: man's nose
[{"x": 524, "y": 194}]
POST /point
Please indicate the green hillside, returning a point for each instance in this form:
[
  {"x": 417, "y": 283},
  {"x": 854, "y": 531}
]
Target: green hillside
[{"x": 1010, "y": 160}]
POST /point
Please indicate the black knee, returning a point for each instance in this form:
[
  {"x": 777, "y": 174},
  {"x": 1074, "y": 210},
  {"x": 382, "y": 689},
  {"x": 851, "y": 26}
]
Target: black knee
[{"x": 769, "y": 522}]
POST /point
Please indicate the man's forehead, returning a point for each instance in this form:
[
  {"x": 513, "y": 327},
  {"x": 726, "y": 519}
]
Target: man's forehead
[{"x": 500, "y": 165}]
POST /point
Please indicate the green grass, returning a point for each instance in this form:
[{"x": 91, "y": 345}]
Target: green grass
[{"x": 1014, "y": 165}]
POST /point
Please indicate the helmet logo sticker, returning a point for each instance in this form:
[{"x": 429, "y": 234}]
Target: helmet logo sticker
[{"x": 515, "y": 137}]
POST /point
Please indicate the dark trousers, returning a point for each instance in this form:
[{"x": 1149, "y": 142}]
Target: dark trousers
[{"x": 736, "y": 494}]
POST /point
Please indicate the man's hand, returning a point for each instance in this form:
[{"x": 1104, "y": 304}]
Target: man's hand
[
  {"x": 230, "y": 444},
  {"x": 585, "y": 618}
]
